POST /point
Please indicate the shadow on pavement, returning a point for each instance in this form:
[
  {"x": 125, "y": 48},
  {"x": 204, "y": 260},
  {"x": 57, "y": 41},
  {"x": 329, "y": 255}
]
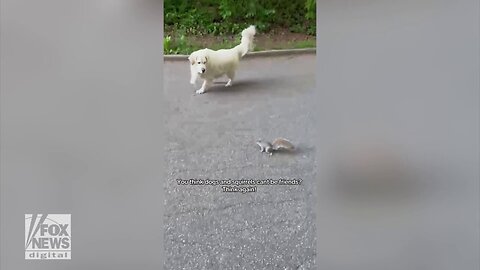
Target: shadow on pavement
[{"x": 245, "y": 85}]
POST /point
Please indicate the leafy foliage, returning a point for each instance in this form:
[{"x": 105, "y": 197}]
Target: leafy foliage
[{"x": 221, "y": 17}]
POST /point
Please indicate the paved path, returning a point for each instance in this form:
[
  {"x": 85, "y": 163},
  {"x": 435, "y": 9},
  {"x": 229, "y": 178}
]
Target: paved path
[{"x": 211, "y": 136}]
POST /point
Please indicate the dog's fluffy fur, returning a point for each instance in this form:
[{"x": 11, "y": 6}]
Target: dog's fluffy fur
[{"x": 208, "y": 64}]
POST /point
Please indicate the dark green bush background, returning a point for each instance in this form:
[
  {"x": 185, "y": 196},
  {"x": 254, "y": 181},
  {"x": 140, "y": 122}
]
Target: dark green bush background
[{"x": 220, "y": 17}]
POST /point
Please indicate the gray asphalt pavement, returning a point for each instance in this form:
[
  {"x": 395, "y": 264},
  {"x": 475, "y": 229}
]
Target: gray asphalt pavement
[{"x": 212, "y": 136}]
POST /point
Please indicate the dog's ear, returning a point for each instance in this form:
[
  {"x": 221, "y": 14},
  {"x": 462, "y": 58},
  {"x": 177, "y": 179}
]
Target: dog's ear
[{"x": 191, "y": 58}]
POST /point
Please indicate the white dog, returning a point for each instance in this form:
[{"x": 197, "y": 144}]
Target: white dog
[{"x": 209, "y": 64}]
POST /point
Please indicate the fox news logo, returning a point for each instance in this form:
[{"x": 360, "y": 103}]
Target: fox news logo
[{"x": 48, "y": 237}]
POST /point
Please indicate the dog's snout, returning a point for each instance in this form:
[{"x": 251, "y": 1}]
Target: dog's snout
[{"x": 203, "y": 70}]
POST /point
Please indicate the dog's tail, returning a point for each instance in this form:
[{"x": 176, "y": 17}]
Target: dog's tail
[{"x": 246, "y": 44}]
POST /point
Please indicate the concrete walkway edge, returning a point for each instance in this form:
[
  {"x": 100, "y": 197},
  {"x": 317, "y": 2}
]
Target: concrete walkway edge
[{"x": 183, "y": 57}]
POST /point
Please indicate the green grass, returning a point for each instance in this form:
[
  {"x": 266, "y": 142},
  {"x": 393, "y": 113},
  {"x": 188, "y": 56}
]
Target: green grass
[
  {"x": 302, "y": 44},
  {"x": 185, "y": 45}
]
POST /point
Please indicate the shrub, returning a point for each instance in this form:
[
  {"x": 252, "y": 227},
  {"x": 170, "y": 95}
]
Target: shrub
[{"x": 221, "y": 17}]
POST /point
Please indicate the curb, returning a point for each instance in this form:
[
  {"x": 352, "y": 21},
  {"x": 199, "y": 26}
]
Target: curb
[{"x": 183, "y": 57}]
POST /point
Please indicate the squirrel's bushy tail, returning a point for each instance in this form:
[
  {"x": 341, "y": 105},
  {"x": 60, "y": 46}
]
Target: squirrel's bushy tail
[{"x": 246, "y": 44}]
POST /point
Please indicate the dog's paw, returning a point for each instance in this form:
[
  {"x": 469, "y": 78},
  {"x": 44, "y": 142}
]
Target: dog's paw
[
  {"x": 200, "y": 91},
  {"x": 229, "y": 83}
]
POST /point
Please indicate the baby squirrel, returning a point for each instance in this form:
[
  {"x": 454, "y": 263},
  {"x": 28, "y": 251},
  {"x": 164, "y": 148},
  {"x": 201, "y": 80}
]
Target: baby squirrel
[{"x": 277, "y": 144}]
